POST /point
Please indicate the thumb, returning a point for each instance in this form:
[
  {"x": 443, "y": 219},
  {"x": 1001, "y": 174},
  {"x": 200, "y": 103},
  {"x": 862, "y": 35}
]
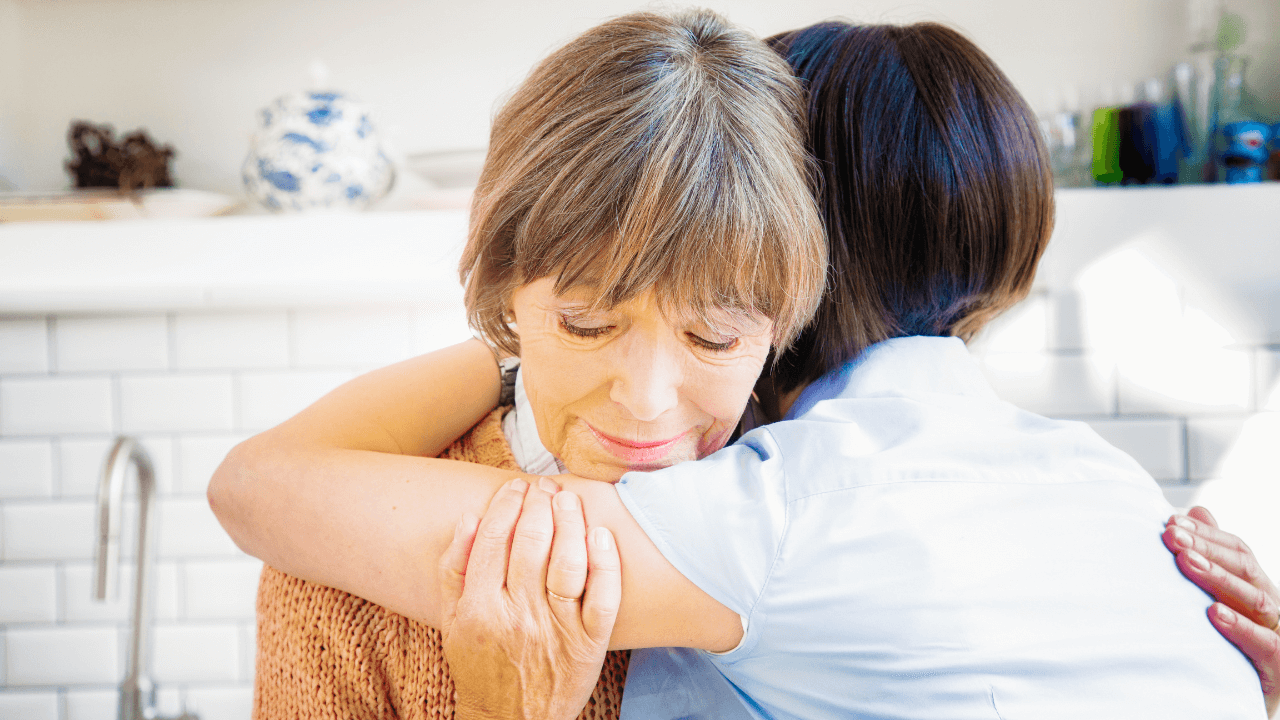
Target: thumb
[{"x": 453, "y": 568}]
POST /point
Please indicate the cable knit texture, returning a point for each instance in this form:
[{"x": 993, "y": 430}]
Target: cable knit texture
[{"x": 324, "y": 654}]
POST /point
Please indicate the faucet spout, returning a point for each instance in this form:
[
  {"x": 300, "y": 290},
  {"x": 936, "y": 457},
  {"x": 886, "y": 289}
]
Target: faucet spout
[{"x": 137, "y": 694}]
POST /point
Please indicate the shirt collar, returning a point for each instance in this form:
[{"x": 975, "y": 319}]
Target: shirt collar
[
  {"x": 522, "y": 436},
  {"x": 901, "y": 366}
]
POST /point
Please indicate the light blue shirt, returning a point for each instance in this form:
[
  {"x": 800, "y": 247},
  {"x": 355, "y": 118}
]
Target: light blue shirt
[{"x": 906, "y": 545}]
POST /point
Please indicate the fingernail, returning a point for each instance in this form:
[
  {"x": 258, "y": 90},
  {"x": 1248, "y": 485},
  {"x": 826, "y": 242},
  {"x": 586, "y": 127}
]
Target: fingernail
[
  {"x": 1197, "y": 561},
  {"x": 1183, "y": 521},
  {"x": 1226, "y": 615},
  {"x": 602, "y": 538},
  {"x": 519, "y": 485},
  {"x": 548, "y": 485},
  {"x": 1181, "y": 538},
  {"x": 457, "y": 529},
  {"x": 566, "y": 501}
]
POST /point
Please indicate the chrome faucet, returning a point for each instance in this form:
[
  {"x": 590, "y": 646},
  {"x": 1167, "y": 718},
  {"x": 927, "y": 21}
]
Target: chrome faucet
[{"x": 137, "y": 693}]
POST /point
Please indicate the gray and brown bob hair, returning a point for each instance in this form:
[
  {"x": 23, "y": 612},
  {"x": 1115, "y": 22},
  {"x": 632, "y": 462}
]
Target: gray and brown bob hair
[{"x": 651, "y": 152}]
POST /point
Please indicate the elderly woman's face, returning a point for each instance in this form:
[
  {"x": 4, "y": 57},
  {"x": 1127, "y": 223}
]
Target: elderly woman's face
[{"x": 629, "y": 388}]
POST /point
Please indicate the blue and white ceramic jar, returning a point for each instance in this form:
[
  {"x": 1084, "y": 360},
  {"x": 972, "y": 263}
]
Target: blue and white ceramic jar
[{"x": 316, "y": 150}]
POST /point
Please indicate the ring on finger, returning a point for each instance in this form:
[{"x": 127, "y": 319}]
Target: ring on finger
[{"x": 558, "y": 596}]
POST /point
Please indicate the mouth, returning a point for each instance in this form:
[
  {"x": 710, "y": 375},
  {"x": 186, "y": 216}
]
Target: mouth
[{"x": 635, "y": 452}]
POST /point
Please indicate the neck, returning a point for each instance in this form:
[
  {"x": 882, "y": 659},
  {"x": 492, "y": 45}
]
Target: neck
[
  {"x": 774, "y": 404},
  {"x": 787, "y": 399}
]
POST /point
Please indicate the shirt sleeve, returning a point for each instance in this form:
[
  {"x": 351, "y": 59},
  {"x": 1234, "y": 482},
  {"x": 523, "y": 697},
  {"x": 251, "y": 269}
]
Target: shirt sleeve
[{"x": 719, "y": 520}]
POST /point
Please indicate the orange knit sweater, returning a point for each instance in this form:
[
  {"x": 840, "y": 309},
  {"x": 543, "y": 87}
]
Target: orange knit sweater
[{"x": 324, "y": 654}]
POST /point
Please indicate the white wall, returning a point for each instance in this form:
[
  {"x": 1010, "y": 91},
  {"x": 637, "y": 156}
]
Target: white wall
[
  {"x": 193, "y": 71},
  {"x": 189, "y": 385},
  {"x": 10, "y": 90}
]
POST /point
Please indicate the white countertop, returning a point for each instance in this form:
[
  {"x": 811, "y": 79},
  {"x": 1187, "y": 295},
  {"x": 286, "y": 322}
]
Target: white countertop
[
  {"x": 205, "y": 263},
  {"x": 1225, "y": 238}
]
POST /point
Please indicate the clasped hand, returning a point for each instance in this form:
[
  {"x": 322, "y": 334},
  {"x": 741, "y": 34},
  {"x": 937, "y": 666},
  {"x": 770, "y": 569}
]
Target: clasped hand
[
  {"x": 1248, "y": 607},
  {"x": 525, "y": 637}
]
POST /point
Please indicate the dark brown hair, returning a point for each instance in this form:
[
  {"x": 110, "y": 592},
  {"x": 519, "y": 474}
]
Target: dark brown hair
[
  {"x": 651, "y": 152},
  {"x": 935, "y": 187}
]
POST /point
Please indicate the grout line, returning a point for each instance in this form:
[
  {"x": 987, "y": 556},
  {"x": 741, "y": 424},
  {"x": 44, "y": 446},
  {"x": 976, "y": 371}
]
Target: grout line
[
  {"x": 117, "y": 412},
  {"x": 55, "y": 466},
  {"x": 171, "y": 335},
  {"x": 1115, "y": 390},
  {"x": 180, "y": 591},
  {"x": 1186, "y": 451},
  {"x": 59, "y": 593},
  {"x": 51, "y": 338},
  {"x": 237, "y": 409},
  {"x": 291, "y": 339}
]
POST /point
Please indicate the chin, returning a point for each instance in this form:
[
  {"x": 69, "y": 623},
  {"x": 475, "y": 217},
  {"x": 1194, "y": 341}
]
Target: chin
[{"x": 611, "y": 470}]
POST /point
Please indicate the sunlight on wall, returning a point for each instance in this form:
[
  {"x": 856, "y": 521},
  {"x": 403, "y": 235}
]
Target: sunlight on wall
[
  {"x": 1171, "y": 355},
  {"x": 1245, "y": 498},
  {"x": 1022, "y": 329},
  {"x": 1170, "y": 352}
]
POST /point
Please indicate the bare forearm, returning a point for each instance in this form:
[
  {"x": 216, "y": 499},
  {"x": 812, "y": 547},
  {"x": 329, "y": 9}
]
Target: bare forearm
[
  {"x": 341, "y": 495},
  {"x": 344, "y": 494},
  {"x": 376, "y": 525},
  {"x": 372, "y": 524}
]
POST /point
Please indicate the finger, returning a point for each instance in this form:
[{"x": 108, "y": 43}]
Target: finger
[
  {"x": 1219, "y": 546},
  {"x": 531, "y": 547},
  {"x": 453, "y": 567},
  {"x": 1208, "y": 531},
  {"x": 487, "y": 567},
  {"x": 548, "y": 485},
  {"x": 567, "y": 571},
  {"x": 1256, "y": 604},
  {"x": 1203, "y": 515},
  {"x": 1261, "y": 645},
  {"x": 604, "y": 586}
]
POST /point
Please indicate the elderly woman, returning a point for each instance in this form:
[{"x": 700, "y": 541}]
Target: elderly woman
[
  {"x": 856, "y": 558},
  {"x": 653, "y": 169}
]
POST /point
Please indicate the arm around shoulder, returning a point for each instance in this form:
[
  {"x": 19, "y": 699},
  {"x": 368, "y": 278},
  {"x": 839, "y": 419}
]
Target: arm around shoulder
[{"x": 341, "y": 494}]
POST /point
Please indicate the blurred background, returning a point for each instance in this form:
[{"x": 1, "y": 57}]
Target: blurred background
[
  {"x": 194, "y": 72},
  {"x": 1155, "y": 317}
]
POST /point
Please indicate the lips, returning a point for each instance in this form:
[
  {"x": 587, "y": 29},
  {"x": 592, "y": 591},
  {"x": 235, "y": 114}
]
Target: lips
[{"x": 635, "y": 452}]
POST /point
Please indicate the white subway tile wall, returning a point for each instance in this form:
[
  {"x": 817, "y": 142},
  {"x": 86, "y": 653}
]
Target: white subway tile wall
[
  {"x": 24, "y": 345},
  {"x": 192, "y": 385},
  {"x": 56, "y": 405},
  {"x": 28, "y": 705},
  {"x": 1156, "y": 443},
  {"x": 231, "y": 341},
  {"x": 176, "y": 403},
  {"x": 26, "y": 468},
  {"x": 189, "y": 386},
  {"x": 1268, "y": 379},
  {"x": 91, "y": 344},
  {"x": 270, "y": 397}
]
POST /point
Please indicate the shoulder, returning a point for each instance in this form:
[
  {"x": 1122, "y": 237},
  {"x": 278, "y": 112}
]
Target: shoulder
[{"x": 719, "y": 520}]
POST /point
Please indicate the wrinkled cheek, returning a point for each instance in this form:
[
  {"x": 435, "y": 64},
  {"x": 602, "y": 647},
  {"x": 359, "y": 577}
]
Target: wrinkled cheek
[{"x": 713, "y": 441}]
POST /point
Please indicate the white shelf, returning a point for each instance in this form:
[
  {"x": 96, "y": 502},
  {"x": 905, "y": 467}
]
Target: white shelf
[
  {"x": 1224, "y": 237},
  {"x": 249, "y": 261}
]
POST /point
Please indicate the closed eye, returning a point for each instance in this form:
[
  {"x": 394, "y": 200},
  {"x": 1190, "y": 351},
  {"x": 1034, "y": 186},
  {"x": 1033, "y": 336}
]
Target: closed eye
[
  {"x": 713, "y": 346},
  {"x": 583, "y": 332}
]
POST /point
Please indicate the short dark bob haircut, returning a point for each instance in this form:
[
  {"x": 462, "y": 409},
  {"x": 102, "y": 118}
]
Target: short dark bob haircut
[{"x": 935, "y": 187}]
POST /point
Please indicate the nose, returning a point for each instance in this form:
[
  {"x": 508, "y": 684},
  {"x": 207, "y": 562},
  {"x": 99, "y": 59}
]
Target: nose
[{"x": 647, "y": 377}]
